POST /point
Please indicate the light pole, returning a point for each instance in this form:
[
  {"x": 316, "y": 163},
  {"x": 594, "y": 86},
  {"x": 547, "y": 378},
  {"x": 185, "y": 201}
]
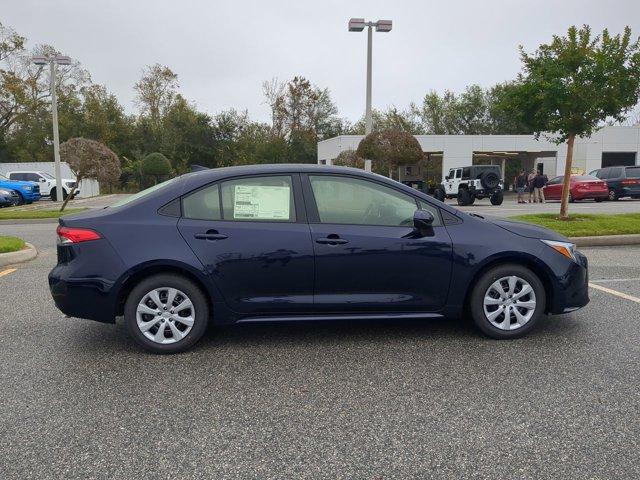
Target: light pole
[
  {"x": 53, "y": 61},
  {"x": 357, "y": 25}
]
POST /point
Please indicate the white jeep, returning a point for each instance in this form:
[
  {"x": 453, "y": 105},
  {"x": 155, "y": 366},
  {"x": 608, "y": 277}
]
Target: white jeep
[{"x": 468, "y": 183}]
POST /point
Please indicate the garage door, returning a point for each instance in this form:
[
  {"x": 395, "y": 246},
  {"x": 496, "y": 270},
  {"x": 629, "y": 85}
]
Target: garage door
[{"x": 614, "y": 159}]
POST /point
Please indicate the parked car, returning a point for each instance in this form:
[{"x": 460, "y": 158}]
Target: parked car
[
  {"x": 467, "y": 184},
  {"x": 304, "y": 242},
  {"x": 8, "y": 197},
  {"x": 28, "y": 192},
  {"x": 622, "y": 181},
  {"x": 47, "y": 182},
  {"x": 581, "y": 187}
]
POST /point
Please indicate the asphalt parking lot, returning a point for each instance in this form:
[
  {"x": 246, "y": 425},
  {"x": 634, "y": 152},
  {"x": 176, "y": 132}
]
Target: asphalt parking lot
[{"x": 410, "y": 399}]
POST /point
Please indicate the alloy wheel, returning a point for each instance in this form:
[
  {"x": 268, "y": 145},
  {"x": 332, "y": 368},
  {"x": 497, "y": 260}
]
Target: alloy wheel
[
  {"x": 509, "y": 303},
  {"x": 165, "y": 315}
]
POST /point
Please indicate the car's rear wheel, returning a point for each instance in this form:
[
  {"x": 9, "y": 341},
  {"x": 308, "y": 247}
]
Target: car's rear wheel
[
  {"x": 497, "y": 198},
  {"x": 166, "y": 313},
  {"x": 613, "y": 195},
  {"x": 598, "y": 200},
  {"x": 507, "y": 301}
]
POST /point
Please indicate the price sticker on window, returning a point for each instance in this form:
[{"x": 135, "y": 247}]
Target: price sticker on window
[{"x": 261, "y": 202}]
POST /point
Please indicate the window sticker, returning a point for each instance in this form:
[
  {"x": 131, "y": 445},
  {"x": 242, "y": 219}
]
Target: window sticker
[{"x": 261, "y": 202}]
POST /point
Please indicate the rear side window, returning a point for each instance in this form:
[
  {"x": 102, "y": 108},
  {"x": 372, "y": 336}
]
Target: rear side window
[
  {"x": 259, "y": 198},
  {"x": 203, "y": 204},
  {"x": 466, "y": 172},
  {"x": 603, "y": 173},
  {"x": 351, "y": 201},
  {"x": 16, "y": 176},
  {"x": 616, "y": 172},
  {"x": 633, "y": 172}
]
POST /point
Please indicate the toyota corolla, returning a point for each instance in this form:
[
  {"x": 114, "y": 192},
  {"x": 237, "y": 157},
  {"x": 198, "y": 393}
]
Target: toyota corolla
[{"x": 304, "y": 242}]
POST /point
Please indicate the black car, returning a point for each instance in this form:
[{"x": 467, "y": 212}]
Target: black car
[
  {"x": 304, "y": 242},
  {"x": 8, "y": 197},
  {"x": 622, "y": 181}
]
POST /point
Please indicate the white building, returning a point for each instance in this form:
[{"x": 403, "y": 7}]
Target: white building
[
  {"x": 88, "y": 187},
  {"x": 608, "y": 146}
]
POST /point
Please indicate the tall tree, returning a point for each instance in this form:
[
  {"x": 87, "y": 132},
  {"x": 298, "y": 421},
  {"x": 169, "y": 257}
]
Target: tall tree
[
  {"x": 156, "y": 91},
  {"x": 572, "y": 85}
]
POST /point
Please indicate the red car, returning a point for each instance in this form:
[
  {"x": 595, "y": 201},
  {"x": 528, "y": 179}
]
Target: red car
[{"x": 582, "y": 187}]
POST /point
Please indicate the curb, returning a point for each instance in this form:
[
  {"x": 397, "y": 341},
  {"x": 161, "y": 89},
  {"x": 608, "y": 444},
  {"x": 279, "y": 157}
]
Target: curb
[
  {"x": 606, "y": 240},
  {"x": 27, "y": 221},
  {"x": 20, "y": 256}
]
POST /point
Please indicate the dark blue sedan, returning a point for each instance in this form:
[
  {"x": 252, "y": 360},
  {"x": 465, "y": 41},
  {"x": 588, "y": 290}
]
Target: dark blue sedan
[{"x": 304, "y": 242}]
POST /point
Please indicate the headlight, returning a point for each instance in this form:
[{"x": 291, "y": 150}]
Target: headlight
[
  {"x": 4, "y": 192},
  {"x": 28, "y": 188},
  {"x": 70, "y": 184},
  {"x": 565, "y": 248}
]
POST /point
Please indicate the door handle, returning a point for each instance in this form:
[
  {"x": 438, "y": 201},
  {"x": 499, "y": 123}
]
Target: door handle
[
  {"x": 332, "y": 240},
  {"x": 211, "y": 235}
]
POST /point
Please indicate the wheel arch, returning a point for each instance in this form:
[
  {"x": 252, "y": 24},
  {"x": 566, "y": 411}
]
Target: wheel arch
[
  {"x": 525, "y": 260},
  {"x": 138, "y": 273}
]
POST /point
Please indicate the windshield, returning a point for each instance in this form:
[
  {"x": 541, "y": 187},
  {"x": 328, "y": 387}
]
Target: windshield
[
  {"x": 144, "y": 193},
  {"x": 45, "y": 174}
]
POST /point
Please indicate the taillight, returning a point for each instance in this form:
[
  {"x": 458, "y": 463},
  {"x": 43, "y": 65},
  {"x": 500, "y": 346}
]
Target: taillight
[
  {"x": 76, "y": 235},
  {"x": 630, "y": 181}
]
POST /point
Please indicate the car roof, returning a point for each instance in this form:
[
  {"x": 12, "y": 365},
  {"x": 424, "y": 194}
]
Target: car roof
[{"x": 278, "y": 168}]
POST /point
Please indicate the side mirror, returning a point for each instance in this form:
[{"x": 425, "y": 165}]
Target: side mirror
[
  {"x": 447, "y": 177},
  {"x": 422, "y": 219},
  {"x": 42, "y": 180}
]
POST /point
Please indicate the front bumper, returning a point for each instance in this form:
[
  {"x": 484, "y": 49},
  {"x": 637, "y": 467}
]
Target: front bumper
[{"x": 571, "y": 291}]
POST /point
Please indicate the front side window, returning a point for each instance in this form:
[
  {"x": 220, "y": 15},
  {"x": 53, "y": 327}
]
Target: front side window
[
  {"x": 259, "y": 198},
  {"x": 616, "y": 172},
  {"x": 345, "y": 200},
  {"x": 458, "y": 173},
  {"x": 555, "y": 181}
]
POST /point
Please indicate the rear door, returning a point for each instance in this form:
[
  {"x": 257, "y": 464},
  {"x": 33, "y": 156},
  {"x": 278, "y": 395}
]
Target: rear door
[
  {"x": 251, "y": 235},
  {"x": 553, "y": 190},
  {"x": 368, "y": 258}
]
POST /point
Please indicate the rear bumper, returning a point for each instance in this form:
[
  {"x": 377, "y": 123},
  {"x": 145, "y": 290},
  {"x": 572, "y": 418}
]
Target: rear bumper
[
  {"x": 633, "y": 191},
  {"x": 583, "y": 195},
  {"x": 82, "y": 297}
]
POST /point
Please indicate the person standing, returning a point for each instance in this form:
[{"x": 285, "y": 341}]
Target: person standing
[
  {"x": 530, "y": 178},
  {"x": 521, "y": 184},
  {"x": 539, "y": 183}
]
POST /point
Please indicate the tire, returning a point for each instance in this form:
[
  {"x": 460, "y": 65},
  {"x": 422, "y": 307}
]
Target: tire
[
  {"x": 464, "y": 197},
  {"x": 20, "y": 199},
  {"x": 598, "y": 200},
  {"x": 53, "y": 194},
  {"x": 489, "y": 180},
  {"x": 536, "y": 299},
  {"x": 497, "y": 198},
  {"x": 613, "y": 196},
  {"x": 198, "y": 314},
  {"x": 439, "y": 194},
  {"x": 571, "y": 199}
]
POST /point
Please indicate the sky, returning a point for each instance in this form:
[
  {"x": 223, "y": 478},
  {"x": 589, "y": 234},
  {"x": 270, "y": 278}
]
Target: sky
[{"x": 223, "y": 51}]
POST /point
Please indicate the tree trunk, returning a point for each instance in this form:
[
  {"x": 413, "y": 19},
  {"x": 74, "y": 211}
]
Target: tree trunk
[
  {"x": 566, "y": 183},
  {"x": 70, "y": 196}
]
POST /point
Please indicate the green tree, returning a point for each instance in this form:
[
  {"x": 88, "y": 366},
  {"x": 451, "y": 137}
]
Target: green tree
[
  {"x": 391, "y": 149},
  {"x": 572, "y": 85},
  {"x": 349, "y": 158},
  {"x": 155, "y": 166},
  {"x": 89, "y": 159}
]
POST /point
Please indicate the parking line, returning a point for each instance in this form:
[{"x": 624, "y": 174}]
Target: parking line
[
  {"x": 7, "y": 271},
  {"x": 615, "y": 292}
]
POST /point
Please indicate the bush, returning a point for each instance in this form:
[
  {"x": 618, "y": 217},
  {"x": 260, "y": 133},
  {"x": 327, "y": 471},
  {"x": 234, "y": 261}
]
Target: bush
[
  {"x": 349, "y": 158},
  {"x": 155, "y": 166},
  {"x": 390, "y": 148}
]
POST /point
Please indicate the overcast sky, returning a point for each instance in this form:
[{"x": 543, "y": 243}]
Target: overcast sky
[{"x": 222, "y": 51}]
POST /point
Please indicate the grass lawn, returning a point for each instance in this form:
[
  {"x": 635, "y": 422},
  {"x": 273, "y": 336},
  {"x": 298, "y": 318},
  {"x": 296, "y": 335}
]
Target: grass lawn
[
  {"x": 587, "y": 225},
  {"x": 10, "y": 244},
  {"x": 20, "y": 214}
]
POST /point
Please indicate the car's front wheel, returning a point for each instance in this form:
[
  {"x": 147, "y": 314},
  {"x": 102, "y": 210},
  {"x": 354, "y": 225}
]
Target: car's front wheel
[
  {"x": 507, "y": 301},
  {"x": 166, "y": 313}
]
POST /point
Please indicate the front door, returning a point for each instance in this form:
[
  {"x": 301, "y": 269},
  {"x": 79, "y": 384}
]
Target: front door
[
  {"x": 251, "y": 235},
  {"x": 368, "y": 258},
  {"x": 553, "y": 190}
]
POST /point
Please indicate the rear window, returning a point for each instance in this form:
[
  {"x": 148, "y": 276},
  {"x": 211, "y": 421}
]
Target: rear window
[
  {"x": 585, "y": 178},
  {"x": 633, "y": 172},
  {"x": 144, "y": 193}
]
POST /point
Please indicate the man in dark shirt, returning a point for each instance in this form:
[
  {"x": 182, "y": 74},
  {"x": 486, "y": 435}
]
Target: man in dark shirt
[
  {"x": 521, "y": 183},
  {"x": 539, "y": 183}
]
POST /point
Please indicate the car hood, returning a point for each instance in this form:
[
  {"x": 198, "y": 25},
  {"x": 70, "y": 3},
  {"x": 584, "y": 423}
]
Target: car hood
[
  {"x": 16, "y": 183},
  {"x": 526, "y": 229}
]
